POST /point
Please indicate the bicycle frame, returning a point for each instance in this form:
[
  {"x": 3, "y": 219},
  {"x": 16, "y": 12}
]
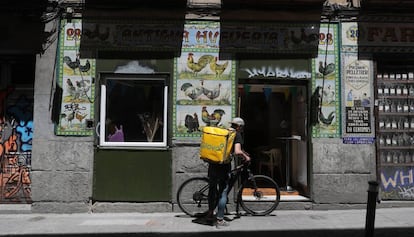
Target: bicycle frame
[
  {"x": 235, "y": 175},
  {"x": 253, "y": 189}
]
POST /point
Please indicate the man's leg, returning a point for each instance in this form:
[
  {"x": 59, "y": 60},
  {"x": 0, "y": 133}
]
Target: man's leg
[
  {"x": 222, "y": 199},
  {"x": 212, "y": 197}
]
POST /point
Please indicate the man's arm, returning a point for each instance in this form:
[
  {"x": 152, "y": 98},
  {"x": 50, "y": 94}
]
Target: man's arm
[{"x": 239, "y": 152}]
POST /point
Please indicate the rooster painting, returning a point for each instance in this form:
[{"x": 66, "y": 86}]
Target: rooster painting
[
  {"x": 191, "y": 123},
  {"x": 71, "y": 64},
  {"x": 196, "y": 67},
  {"x": 80, "y": 116},
  {"x": 327, "y": 120},
  {"x": 86, "y": 67},
  {"x": 326, "y": 69},
  {"x": 316, "y": 112},
  {"x": 77, "y": 64},
  {"x": 68, "y": 117},
  {"x": 71, "y": 89},
  {"x": 82, "y": 87},
  {"x": 211, "y": 94},
  {"x": 218, "y": 69},
  {"x": 191, "y": 91},
  {"x": 211, "y": 119}
]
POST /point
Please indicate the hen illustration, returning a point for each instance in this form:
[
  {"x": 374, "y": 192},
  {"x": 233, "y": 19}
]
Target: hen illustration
[
  {"x": 191, "y": 91},
  {"x": 326, "y": 69},
  {"x": 191, "y": 123},
  {"x": 327, "y": 120},
  {"x": 82, "y": 88},
  {"x": 211, "y": 94},
  {"x": 69, "y": 117},
  {"x": 218, "y": 69},
  {"x": 71, "y": 89},
  {"x": 79, "y": 116},
  {"x": 211, "y": 119},
  {"x": 196, "y": 67},
  {"x": 86, "y": 67},
  {"x": 71, "y": 64}
]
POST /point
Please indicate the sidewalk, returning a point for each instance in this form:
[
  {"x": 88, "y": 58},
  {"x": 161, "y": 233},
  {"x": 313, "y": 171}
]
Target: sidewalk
[{"x": 393, "y": 222}]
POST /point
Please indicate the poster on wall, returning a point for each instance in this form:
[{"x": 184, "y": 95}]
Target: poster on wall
[
  {"x": 357, "y": 93},
  {"x": 325, "y": 84},
  {"x": 76, "y": 78},
  {"x": 204, "y": 84},
  {"x": 357, "y": 81}
]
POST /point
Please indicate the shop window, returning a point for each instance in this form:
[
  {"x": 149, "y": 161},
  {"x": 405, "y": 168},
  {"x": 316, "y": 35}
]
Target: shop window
[{"x": 133, "y": 111}]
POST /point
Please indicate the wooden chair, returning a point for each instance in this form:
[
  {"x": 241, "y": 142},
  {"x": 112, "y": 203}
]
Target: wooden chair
[{"x": 271, "y": 158}]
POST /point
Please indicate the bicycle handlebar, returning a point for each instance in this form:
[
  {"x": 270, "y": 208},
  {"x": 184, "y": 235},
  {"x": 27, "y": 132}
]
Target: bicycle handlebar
[{"x": 243, "y": 164}]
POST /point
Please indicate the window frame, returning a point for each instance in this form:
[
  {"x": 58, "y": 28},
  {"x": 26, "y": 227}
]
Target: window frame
[{"x": 132, "y": 145}]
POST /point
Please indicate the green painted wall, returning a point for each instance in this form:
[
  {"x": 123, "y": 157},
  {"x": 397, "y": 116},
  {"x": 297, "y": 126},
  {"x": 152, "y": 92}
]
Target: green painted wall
[{"x": 130, "y": 175}]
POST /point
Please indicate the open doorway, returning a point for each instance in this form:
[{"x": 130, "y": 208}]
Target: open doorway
[{"x": 276, "y": 131}]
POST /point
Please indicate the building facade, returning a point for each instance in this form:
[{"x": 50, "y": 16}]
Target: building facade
[{"x": 121, "y": 94}]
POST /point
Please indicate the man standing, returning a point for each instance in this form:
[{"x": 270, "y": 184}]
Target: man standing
[{"x": 219, "y": 175}]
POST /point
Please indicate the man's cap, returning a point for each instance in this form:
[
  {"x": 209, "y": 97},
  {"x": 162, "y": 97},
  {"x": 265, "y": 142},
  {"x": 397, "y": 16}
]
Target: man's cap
[{"x": 239, "y": 121}]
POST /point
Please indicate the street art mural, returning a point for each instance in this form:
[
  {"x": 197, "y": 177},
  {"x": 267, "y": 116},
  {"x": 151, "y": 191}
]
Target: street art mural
[
  {"x": 397, "y": 183},
  {"x": 16, "y": 132}
]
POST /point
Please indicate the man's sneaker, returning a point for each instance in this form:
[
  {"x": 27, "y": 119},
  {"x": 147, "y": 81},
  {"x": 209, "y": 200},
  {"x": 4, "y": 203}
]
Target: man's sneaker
[{"x": 221, "y": 223}]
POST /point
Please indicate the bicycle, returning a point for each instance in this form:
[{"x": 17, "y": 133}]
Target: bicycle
[{"x": 258, "y": 194}]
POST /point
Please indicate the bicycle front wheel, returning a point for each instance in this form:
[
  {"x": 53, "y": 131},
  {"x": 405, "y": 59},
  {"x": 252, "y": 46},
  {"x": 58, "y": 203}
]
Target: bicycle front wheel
[
  {"x": 192, "y": 196},
  {"x": 259, "y": 195}
]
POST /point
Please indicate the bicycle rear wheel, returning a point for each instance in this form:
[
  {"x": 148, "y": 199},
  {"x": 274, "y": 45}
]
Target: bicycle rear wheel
[
  {"x": 192, "y": 196},
  {"x": 259, "y": 195}
]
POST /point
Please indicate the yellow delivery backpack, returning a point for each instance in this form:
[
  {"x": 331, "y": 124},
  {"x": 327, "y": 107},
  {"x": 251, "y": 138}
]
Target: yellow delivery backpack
[{"x": 216, "y": 144}]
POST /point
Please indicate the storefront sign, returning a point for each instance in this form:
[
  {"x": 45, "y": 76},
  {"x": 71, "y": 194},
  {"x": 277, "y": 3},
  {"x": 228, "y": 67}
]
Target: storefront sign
[
  {"x": 275, "y": 69},
  {"x": 144, "y": 36},
  {"x": 387, "y": 34},
  {"x": 386, "y": 37},
  {"x": 269, "y": 38}
]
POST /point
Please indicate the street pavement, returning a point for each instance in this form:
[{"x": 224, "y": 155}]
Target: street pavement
[{"x": 393, "y": 222}]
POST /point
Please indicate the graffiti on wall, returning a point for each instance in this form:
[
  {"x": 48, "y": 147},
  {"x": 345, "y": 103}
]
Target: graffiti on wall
[
  {"x": 16, "y": 132},
  {"x": 397, "y": 183}
]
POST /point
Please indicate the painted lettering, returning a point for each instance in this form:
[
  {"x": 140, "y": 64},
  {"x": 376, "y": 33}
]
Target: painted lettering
[
  {"x": 399, "y": 178},
  {"x": 390, "y": 34},
  {"x": 373, "y": 33},
  {"x": 272, "y": 71},
  {"x": 407, "y": 34}
]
